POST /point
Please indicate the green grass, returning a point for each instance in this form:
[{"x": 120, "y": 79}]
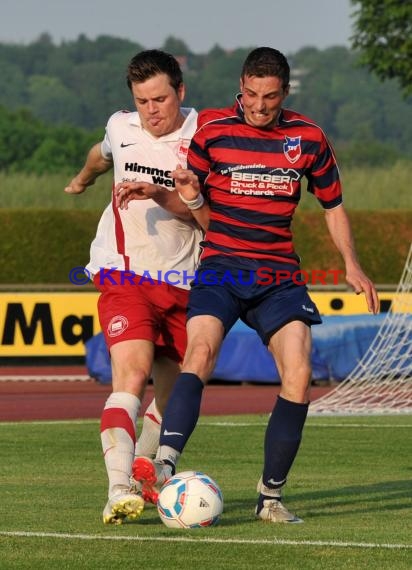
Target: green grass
[
  {"x": 351, "y": 483},
  {"x": 373, "y": 189},
  {"x": 47, "y": 192},
  {"x": 386, "y": 188}
]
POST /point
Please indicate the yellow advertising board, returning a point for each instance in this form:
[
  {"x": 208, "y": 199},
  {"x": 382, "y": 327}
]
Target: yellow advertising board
[
  {"x": 47, "y": 324},
  {"x": 58, "y": 324}
]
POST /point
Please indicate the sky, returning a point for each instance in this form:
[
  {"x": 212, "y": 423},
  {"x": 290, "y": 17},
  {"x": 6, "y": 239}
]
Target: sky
[{"x": 287, "y": 25}]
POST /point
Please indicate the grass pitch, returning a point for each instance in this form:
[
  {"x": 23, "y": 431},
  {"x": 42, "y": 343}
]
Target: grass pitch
[{"x": 351, "y": 483}]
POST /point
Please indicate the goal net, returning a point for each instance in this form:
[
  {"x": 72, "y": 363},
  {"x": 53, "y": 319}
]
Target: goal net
[{"x": 381, "y": 382}]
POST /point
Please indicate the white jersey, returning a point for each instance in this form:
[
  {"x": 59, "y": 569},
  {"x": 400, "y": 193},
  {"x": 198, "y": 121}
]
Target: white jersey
[{"x": 146, "y": 238}]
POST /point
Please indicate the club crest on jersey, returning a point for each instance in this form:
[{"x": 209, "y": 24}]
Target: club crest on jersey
[
  {"x": 117, "y": 325},
  {"x": 292, "y": 149}
]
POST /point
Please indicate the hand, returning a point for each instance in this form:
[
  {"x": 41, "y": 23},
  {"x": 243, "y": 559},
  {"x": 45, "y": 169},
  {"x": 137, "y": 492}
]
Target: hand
[
  {"x": 187, "y": 183},
  {"x": 125, "y": 192},
  {"x": 360, "y": 282},
  {"x": 76, "y": 187}
]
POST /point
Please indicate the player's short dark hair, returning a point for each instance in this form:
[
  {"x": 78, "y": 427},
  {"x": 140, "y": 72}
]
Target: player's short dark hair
[
  {"x": 148, "y": 63},
  {"x": 266, "y": 62}
]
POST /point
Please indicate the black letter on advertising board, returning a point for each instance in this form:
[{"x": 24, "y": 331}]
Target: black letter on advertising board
[{"x": 15, "y": 315}]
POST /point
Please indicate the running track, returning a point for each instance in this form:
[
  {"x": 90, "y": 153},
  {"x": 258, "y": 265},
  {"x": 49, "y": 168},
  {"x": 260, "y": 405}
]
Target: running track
[{"x": 46, "y": 398}]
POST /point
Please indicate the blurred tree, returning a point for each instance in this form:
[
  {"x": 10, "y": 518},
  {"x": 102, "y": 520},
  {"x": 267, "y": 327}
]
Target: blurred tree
[
  {"x": 61, "y": 150},
  {"x": 20, "y": 133},
  {"x": 352, "y": 105},
  {"x": 217, "y": 82},
  {"x": 51, "y": 101},
  {"x": 383, "y": 34},
  {"x": 13, "y": 85},
  {"x": 100, "y": 88},
  {"x": 82, "y": 83},
  {"x": 175, "y": 46}
]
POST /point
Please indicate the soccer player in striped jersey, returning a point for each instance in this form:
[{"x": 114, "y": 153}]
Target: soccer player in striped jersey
[{"x": 248, "y": 161}]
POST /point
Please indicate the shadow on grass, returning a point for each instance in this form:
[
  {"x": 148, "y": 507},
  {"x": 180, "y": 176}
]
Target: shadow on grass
[
  {"x": 343, "y": 501},
  {"x": 375, "y": 497}
]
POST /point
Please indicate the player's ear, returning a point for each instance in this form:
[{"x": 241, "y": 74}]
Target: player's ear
[{"x": 181, "y": 92}]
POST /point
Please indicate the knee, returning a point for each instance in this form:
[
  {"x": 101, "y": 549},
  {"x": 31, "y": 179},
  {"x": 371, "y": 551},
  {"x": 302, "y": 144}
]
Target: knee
[
  {"x": 129, "y": 379},
  {"x": 200, "y": 358},
  {"x": 296, "y": 384}
]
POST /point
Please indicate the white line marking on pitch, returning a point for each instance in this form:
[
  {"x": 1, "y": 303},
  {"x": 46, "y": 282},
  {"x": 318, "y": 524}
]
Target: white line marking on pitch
[
  {"x": 307, "y": 425},
  {"x": 275, "y": 541},
  {"x": 210, "y": 424}
]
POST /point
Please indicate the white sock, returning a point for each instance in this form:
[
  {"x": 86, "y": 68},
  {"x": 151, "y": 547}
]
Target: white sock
[
  {"x": 168, "y": 454},
  {"x": 148, "y": 441},
  {"x": 118, "y": 435}
]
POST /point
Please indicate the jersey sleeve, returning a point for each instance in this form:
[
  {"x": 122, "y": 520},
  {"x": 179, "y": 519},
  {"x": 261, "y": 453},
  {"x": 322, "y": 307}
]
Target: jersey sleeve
[
  {"x": 106, "y": 146},
  {"x": 323, "y": 178},
  {"x": 198, "y": 158}
]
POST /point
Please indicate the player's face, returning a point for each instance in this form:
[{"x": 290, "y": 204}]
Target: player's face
[
  {"x": 158, "y": 105},
  {"x": 262, "y": 99}
]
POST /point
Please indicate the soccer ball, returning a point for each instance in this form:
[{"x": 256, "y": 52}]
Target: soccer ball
[{"x": 190, "y": 499}]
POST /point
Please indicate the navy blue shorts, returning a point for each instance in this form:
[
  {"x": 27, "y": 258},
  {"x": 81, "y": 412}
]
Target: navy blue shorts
[{"x": 265, "y": 305}]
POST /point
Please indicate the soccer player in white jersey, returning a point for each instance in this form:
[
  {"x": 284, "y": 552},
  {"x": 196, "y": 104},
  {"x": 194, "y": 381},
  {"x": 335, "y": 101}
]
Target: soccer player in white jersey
[{"x": 142, "y": 259}]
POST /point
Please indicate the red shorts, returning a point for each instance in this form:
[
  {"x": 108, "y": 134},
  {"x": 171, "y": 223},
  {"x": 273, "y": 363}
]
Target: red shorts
[{"x": 143, "y": 310}]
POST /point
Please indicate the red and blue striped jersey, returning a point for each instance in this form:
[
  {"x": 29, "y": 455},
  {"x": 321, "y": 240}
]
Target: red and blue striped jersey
[{"x": 252, "y": 179}]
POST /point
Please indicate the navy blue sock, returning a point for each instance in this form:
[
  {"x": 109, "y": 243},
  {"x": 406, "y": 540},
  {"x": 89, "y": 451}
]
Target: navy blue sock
[
  {"x": 282, "y": 440},
  {"x": 182, "y": 411}
]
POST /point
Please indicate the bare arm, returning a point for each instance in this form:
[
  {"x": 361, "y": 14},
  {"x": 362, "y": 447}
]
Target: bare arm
[
  {"x": 339, "y": 228},
  {"x": 176, "y": 202},
  {"x": 171, "y": 202},
  {"x": 95, "y": 165},
  {"x": 188, "y": 189},
  {"x": 125, "y": 192}
]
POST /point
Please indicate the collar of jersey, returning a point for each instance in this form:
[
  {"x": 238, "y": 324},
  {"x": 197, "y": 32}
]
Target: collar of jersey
[{"x": 185, "y": 132}]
